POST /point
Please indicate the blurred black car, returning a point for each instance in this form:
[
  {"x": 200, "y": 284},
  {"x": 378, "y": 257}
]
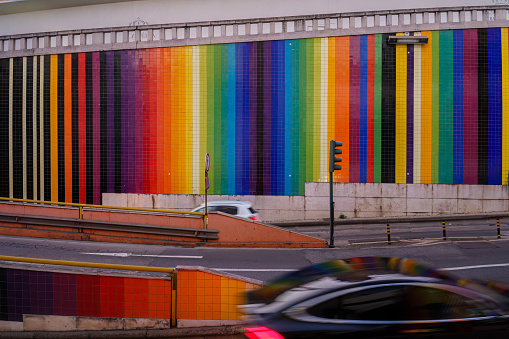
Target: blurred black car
[{"x": 376, "y": 297}]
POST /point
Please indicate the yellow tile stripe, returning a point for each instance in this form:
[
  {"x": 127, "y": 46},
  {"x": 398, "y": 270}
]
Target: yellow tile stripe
[
  {"x": 417, "y": 112},
  {"x": 324, "y": 109},
  {"x": 34, "y": 127},
  {"x": 401, "y": 114}
]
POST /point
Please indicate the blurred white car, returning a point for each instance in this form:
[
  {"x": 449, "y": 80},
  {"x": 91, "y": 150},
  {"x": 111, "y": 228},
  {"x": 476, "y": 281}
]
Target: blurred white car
[{"x": 243, "y": 209}]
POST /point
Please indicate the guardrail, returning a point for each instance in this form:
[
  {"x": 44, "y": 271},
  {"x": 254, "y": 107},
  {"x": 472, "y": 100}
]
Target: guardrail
[
  {"x": 204, "y": 234},
  {"x": 82, "y": 206},
  {"x": 172, "y": 272},
  {"x": 444, "y": 233}
]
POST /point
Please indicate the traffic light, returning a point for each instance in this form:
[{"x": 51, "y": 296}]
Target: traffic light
[{"x": 333, "y": 161}]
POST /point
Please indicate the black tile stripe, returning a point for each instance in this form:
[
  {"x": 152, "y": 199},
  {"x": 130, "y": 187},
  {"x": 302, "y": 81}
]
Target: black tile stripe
[
  {"x": 482, "y": 118},
  {"x": 17, "y": 127},
  {"x": 61, "y": 131},
  {"x": 118, "y": 120},
  {"x": 74, "y": 123},
  {"x": 47, "y": 130},
  {"x": 104, "y": 110},
  {"x": 388, "y": 111},
  {"x": 89, "y": 128},
  {"x": 29, "y": 127},
  {"x": 4, "y": 131},
  {"x": 4, "y": 305}
]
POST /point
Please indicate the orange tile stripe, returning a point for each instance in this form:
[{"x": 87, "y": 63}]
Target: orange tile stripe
[{"x": 208, "y": 296}]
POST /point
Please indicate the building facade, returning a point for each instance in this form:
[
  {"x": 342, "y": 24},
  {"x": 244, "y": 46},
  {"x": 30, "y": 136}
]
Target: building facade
[{"x": 135, "y": 109}]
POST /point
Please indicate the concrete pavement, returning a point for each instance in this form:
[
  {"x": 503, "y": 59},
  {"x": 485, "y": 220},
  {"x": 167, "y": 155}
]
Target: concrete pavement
[{"x": 224, "y": 332}]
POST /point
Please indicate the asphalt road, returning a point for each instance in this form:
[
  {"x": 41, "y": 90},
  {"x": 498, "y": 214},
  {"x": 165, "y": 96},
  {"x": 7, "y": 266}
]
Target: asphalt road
[{"x": 472, "y": 250}]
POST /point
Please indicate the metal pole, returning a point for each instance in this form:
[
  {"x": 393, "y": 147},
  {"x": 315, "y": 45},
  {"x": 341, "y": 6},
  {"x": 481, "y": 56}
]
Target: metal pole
[
  {"x": 498, "y": 228},
  {"x": 443, "y": 230},
  {"x": 331, "y": 242},
  {"x": 389, "y": 234},
  {"x": 206, "y": 210}
]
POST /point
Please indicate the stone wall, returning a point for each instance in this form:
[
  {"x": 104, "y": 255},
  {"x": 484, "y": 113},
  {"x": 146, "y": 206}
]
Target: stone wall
[{"x": 354, "y": 200}]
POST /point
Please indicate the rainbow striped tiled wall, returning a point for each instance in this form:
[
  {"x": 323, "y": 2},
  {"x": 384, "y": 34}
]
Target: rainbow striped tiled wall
[
  {"x": 201, "y": 295},
  {"x": 73, "y": 126},
  {"x": 66, "y": 294}
]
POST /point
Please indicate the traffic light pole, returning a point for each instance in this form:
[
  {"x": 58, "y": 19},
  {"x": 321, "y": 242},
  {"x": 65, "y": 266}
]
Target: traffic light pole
[
  {"x": 333, "y": 166},
  {"x": 331, "y": 242}
]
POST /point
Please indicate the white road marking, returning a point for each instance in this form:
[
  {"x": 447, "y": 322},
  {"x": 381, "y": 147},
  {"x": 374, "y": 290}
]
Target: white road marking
[
  {"x": 124, "y": 255},
  {"x": 255, "y": 269},
  {"x": 473, "y": 267},
  {"x": 293, "y": 270}
]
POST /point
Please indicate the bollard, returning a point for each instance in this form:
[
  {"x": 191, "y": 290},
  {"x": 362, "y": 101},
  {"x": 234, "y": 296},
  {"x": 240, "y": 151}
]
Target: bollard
[
  {"x": 388, "y": 234},
  {"x": 443, "y": 230},
  {"x": 498, "y": 228}
]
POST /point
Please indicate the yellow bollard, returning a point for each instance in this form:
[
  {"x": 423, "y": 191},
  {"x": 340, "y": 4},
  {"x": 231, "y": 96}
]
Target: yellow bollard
[{"x": 388, "y": 234}]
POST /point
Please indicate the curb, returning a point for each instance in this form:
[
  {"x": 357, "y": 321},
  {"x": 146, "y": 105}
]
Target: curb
[
  {"x": 392, "y": 220},
  {"x": 235, "y": 331}
]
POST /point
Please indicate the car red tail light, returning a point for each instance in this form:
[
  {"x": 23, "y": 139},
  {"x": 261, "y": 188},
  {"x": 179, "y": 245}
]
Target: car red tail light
[
  {"x": 262, "y": 332},
  {"x": 253, "y": 218}
]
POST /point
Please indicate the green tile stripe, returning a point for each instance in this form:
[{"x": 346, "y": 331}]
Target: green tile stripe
[{"x": 446, "y": 108}]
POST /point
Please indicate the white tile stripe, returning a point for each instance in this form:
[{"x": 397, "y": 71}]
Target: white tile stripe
[
  {"x": 324, "y": 84},
  {"x": 417, "y": 112}
]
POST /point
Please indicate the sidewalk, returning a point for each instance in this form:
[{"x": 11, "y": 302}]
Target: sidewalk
[
  {"x": 393, "y": 220},
  {"x": 225, "y": 332}
]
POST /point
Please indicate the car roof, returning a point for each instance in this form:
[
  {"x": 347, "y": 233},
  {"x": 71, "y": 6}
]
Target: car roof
[
  {"x": 227, "y": 202},
  {"x": 361, "y": 271}
]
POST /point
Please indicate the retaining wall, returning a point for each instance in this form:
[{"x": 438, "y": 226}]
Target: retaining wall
[
  {"x": 353, "y": 200},
  {"x": 65, "y": 300}
]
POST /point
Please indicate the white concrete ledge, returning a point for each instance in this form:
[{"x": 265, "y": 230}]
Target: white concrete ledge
[
  {"x": 235, "y": 31},
  {"x": 353, "y": 200}
]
